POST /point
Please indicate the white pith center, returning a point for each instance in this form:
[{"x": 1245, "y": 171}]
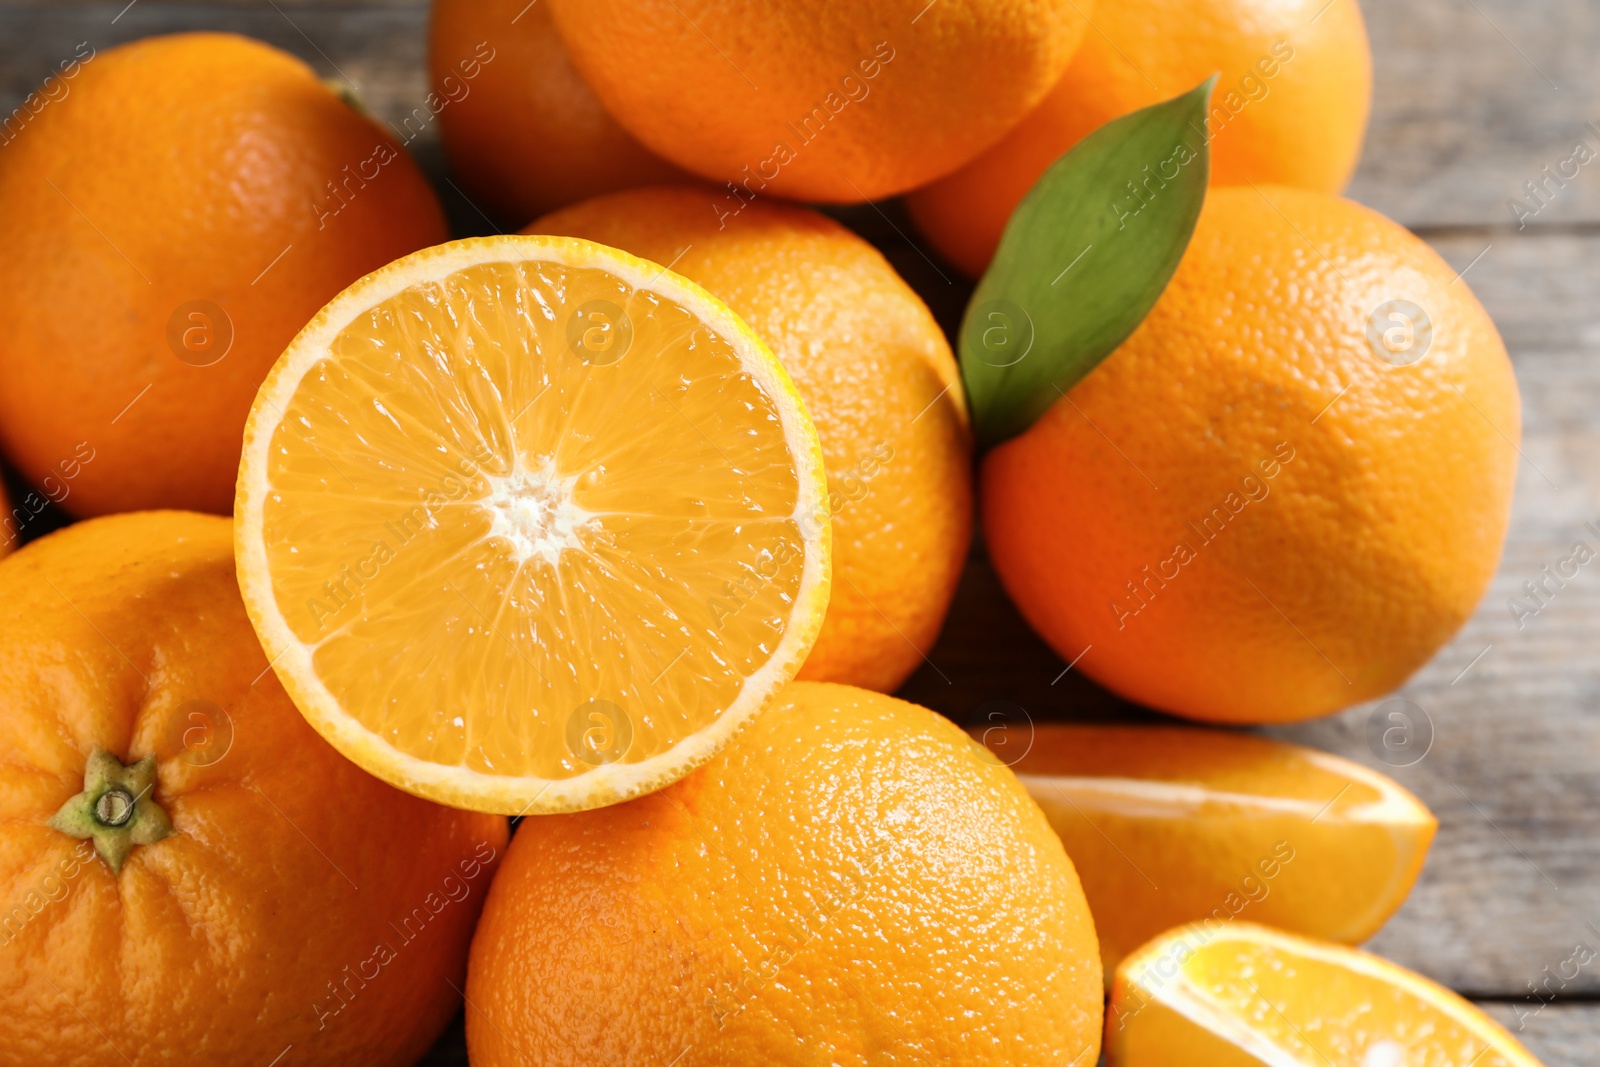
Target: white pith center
[{"x": 535, "y": 512}]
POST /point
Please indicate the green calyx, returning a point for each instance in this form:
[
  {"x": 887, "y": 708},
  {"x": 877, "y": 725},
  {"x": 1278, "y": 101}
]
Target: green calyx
[
  {"x": 348, "y": 94},
  {"x": 115, "y": 810}
]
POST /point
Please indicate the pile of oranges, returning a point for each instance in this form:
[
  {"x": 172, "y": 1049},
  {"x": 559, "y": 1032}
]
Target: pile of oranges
[{"x": 625, "y": 522}]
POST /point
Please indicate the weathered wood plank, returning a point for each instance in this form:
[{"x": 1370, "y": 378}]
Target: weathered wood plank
[
  {"x": 1472, "y": 100},
  {"x": 1562, "y": 1035},
  {"x": 1462, "y": 119}
]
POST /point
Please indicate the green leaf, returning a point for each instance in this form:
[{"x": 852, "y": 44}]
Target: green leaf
[{"x": 1083, "y": 260}]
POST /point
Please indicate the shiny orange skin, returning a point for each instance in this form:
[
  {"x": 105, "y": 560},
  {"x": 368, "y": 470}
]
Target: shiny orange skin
[
  {"x": 877, "y": 377},
  {"x": 194, "y": 167},
  {"x": 217, "y": 944},
  {"x": 1316, "y": 521},
  {"x": 1290, "y": 106},
  {"x": 524, "y": 133},
  {"x": 851, "y": 881},
  {"x": 815, "y": 100}
]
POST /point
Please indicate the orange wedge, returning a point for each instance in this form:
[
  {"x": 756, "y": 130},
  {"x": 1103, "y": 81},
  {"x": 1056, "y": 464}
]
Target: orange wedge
[
  {"x": 527, "y": 524},
  {"x": 1231, "y": 995},
  {"x": 1169, "y": 825}
]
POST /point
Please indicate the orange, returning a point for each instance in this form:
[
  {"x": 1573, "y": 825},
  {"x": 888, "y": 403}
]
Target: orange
[
  {"x": 817, "y": 101},
  {"x": 1168, "y": 825},
  {"x": 524, "y": 133},
  {"x": 491, "y": 503},
  {"x": 852, "y": 881},
  {"x": 877, "y": 377},
  {"x": 1290, "y": 107},
  {"x": 1244, "y": 995},
  {"x": 168, "y": 225},
  {"x": 1287, "y": 489},
  {"x": 260, "y": 891}
]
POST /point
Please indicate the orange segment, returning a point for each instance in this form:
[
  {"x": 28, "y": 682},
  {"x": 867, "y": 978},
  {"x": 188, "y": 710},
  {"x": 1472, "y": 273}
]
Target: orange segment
[
  {"x": 528, "y": 524},
  {"x": 1169, "y": 825},
  {"x": 1232, "y": 996}
]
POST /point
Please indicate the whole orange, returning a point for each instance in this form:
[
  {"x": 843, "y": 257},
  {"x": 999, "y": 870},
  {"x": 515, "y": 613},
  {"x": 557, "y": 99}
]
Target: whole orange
[
  {"x": 1290, "y": 106},
  {"x": 815, "y": 100},
  {"x": 524, "y": 133},
  {"x": 169, "y": 225},
  {"x": 1287, "y": 489},
  {"x": 879, "y": 381},
  {"x": 851, "y": 881},
  {"x": 259, "y": 891}
]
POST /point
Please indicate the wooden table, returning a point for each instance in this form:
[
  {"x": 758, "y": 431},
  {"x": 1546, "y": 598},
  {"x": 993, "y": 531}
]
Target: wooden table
[{"x": 1474, "y": 98}]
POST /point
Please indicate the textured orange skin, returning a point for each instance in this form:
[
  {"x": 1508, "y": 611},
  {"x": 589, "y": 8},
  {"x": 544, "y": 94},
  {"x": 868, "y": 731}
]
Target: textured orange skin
[
  {"x": 528, "y": 135},
  {"x": 1305, "y": 131},
  {"x": 852, "y": 881},
  {"x": 200, "y": 158},
  {"x": 1369, "y": 547},
  {"x": 877, "y": 378},
  {"x": 717, "y": 86},
  {"x": 216, "y": 944}
]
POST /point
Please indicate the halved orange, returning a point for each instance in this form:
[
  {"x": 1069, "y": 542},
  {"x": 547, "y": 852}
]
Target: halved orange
[
  {"x": 1170, "y": 825},
  {"x": 1216, "y": 995},
  {"x": 527, "y": 524}
]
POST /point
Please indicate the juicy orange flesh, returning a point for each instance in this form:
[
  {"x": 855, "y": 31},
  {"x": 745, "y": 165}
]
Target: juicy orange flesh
[
  {"x": 492, "y": 506},
  {"x": 1227, "y": 765},
  {"x": 1168, "y": 826},
  {"x": 1195, "y": 785},
  {"x": 1324, "y": 1012}
]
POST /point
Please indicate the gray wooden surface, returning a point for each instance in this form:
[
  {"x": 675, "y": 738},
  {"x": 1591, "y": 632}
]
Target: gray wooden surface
[{"x": 1474, "y": 98}]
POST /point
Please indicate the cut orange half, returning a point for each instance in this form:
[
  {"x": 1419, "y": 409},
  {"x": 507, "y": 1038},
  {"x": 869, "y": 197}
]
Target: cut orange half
[
  {"x": 527, "y": 524},
  {"x": 1248, "y": 996},
  {"x": 1170, "y": 825}
]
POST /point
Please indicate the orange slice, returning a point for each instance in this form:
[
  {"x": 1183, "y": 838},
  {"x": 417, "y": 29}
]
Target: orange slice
[
  {"x": 1209, "y": 995},
  {"x": 527, "y": 524},
  {"x": 1169, "y": 825}
]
